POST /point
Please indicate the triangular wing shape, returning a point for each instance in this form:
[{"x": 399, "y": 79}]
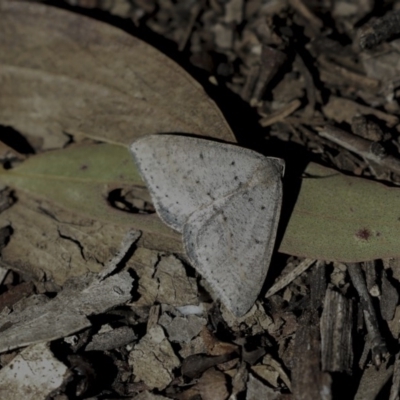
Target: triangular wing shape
[
  {"x": 230, "y": 242},
  {"x": 225, "y": 200},
  {"x": 184, "y": 173}
]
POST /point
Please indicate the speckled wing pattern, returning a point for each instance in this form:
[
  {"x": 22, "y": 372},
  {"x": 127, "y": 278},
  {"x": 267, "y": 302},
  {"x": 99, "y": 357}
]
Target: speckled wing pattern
[{"x": 226, "y": 202}]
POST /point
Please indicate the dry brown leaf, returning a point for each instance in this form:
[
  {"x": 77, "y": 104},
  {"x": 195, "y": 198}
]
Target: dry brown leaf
[
  {"x": 267, "y": 373},
  {"x": 174, "y": 286},
  {"x": 214, "y": 346},
  {"x": 256, "y": 320},
  {"x": 195, "y": 346},
  {"x": 33, "y": 374},
  {"x": 195, "y": 365},
  {"x": 146, "y": 395},
  {"x": 181, "y": 329},
  {"x": 211, "y": 386},
  {"x": 373, "y": 380},
  {"x": 98, "y": 67},
  {"x": 65, "y": 314},
  {"x": 143, "y": 261},
  {"x": 258, "y": 390},
  {"x": 64, "y": 73},
  {"x": 114, "y": 338},
  {"x": 153, "y": 359},
  {"x": 162, "y": 280},
  {"x": 56, "y": 243}
]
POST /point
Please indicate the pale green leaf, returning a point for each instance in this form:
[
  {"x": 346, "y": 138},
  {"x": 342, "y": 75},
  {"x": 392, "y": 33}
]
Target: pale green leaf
[
  {"x": 336, "y": 217},
  {"x": 80, "y": 178}
]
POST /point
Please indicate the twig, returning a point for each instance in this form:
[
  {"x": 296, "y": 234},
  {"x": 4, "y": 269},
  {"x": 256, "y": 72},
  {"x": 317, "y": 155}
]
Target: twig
[
  {"x": 371, "y": 151},
  {"x": 281, "y": 114},
  {"x": 353, "y": 78},
  {"x": 353, "y": 108},
  {"x": 302, "y": 9},
  {"x": 311, "y": 90},
  {"x": 271, "y": 60},
  {"x": 395, "y": 389},
  {"x": 194, "y": 14},
  {"x": 367, "y": 129},
  {"x": 379, "y": 30},
  {"x": 378, "y": 345},
  {"x": 3, "y": 274},
  {"x": 290, "y": 277},
  {"x": 336, "y": 327},
  {"x": 371, "y": 279}
]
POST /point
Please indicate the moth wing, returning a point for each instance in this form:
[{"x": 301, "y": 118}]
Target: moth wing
[
  {"x": 231, "y": 241},
  {"x": 185, "y": 174}
]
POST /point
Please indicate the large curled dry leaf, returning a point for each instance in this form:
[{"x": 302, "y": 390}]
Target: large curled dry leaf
[
  {"x": 62, "y": 73},
  {"x": 336, "y": 217}
]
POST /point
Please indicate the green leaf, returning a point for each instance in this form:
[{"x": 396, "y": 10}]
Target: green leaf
[
  {"x": 336, "y": 217},
  {"x": 343, "y": 218},
  {"x": 80, "y": 178}
]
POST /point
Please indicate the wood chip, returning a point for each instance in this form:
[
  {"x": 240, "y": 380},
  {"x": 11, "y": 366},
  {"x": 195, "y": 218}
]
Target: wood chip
[
  {"x": 343, "y": 110},
  {"x": 389, "y": 298},
  {"x": 33, "y": 374},
  {"x": 70, "y": 309},
  {"x": 153, "y": 359},
  {"x": 308, "y": 381},
  {"x": 181, "y": 329},
  {"x": 256, "y": 390},
  {"x": 372, "y": 381},
  {"x": 111, "y": 340},
  {"x": 336, "y": 333},
  {"x": 290, "y": 277}
]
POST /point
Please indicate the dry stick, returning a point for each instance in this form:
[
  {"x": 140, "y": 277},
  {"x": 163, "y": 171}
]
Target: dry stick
[
  {"x": 336, "y": 327},
  {"x": 357, "y": 108},
  {"x": 371, "y": 151},
  {"x": 362, "y": 362},
  {"x": 303, "y": 10},
  {"x": 378, "y": 345},
  {"x": 379, "y": 30},
  {"x": 3, "y": 274},
  {"x": 395, "y": 389},
  {"x": 311, "y": 90},
  {"x": 371, "y": 279},
  {"x": 290, "y": 277},
  {"x": 194, "y": 14},
  {"x": 354, "y": 78},
  {"x": 250, "y": 83},
  {"x": 270, "y": 62},
  {"x": 280, "y": 114},
  {"x": 367, "y": 129}
]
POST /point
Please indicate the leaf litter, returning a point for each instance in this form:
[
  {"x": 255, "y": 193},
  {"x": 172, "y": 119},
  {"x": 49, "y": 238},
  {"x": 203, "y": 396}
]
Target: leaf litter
[
  {"x": 279, "y": 330},
  {"x": 34, "y": 373},
  {"x": 67, "y": 313}
]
